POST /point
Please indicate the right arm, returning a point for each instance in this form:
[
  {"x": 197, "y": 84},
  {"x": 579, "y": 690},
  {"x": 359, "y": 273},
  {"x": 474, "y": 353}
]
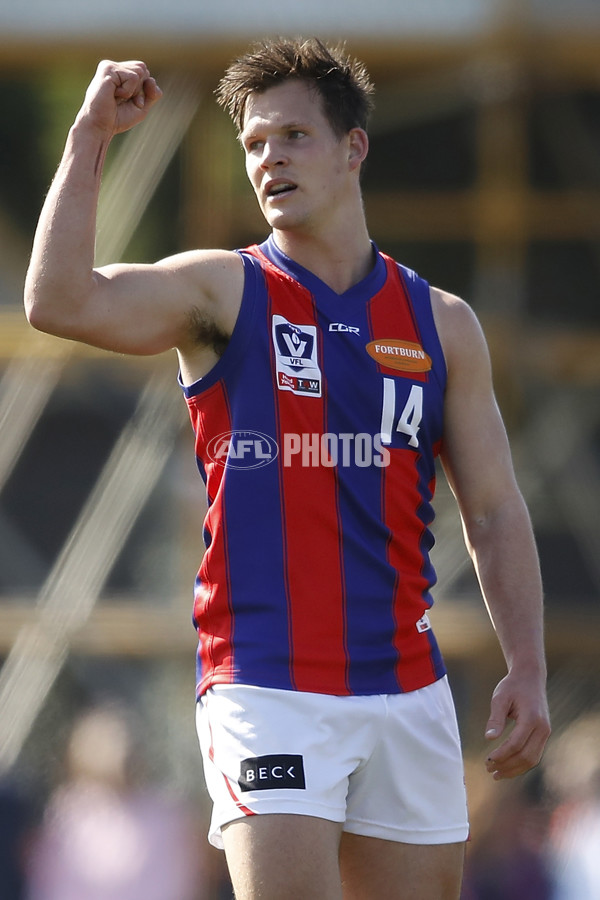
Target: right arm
[{"x": 139, "y": 309}]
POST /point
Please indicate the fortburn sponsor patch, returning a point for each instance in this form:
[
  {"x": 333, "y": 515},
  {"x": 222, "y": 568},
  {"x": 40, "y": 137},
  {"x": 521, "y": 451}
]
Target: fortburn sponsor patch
[{"x": 405, "y": 356}]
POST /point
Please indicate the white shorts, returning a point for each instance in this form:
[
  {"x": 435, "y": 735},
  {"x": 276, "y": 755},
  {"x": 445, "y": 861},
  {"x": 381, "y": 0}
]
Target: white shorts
[{"x": 387, "y": 766}]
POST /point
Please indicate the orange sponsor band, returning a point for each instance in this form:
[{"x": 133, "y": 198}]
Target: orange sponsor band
[{"x": 405, "y": 356}]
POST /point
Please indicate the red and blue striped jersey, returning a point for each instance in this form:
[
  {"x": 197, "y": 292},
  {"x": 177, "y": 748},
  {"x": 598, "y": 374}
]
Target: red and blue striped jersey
[{"x": 316, "y": 435}]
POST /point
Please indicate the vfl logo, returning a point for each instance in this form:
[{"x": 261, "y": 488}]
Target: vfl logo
[
  {"x": 269, "y": 773},
  {"x": 242, "y": 449},
  {"x": 296, "y": 357}
]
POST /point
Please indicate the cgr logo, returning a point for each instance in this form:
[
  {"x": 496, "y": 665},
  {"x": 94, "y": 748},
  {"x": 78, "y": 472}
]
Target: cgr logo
[
  {"x": 268, "y": 773},
  {"x": 242, "y": 449},
  {"x": 339, "y": 326}
]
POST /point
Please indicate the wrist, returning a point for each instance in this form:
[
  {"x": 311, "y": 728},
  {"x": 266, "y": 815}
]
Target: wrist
[
  {"x": 86, "y": 141},
  {"x": 86, "y": 132},
  {"x": 532, "y": 667}
]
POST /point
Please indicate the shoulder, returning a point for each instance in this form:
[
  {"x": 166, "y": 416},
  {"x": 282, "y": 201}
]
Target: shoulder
[
  {"x": 211, "y": 271},
  {"x": 460, "y": 332},
  {"x": 213, "y": 282}
]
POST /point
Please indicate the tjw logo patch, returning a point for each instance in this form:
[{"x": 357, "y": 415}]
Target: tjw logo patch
[
  {"x": 268, "y": 773},
  {"x": 296, "y": 357}
]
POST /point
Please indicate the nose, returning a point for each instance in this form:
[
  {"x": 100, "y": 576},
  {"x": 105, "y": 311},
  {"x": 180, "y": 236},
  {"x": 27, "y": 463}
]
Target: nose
[{"x": 272, "y": 155}]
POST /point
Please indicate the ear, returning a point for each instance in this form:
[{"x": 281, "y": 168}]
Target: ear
[{"x": 358, "y": 147}]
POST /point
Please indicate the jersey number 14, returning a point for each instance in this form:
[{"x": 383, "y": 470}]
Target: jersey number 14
[{"x": 409, "y": 420}]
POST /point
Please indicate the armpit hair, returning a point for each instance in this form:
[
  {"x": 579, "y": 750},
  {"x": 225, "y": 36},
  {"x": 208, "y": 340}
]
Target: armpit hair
[{"x": 206, "y": 332}]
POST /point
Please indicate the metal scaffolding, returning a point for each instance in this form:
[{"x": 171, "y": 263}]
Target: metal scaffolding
[{"x": 551, "y": 372}]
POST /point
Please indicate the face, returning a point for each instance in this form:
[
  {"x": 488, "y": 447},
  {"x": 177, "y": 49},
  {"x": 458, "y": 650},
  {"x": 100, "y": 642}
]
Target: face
[{"x": 299, "y": 168}]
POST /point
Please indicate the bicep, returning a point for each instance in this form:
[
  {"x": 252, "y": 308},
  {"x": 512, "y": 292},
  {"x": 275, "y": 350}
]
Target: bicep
[
  {"x": 146, "y": 309},
  {"x": 475, "y": 454},
  {"x": 137, "y": 309}
]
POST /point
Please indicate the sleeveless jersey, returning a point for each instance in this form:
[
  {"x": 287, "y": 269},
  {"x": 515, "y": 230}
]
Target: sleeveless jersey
[{"x": 316, "y": 435}]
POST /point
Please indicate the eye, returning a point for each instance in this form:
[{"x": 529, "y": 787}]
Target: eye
[
  {"x": 294, "y": 134},
  {"x": 254, "y": 145}
]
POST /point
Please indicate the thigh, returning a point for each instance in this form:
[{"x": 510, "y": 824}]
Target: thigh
[
  {"x": 374, "y": 869},
  {"x": 283, "y": 856},
  {"x": 270, "y": 752},
  {"x": 411, "y": 789}
]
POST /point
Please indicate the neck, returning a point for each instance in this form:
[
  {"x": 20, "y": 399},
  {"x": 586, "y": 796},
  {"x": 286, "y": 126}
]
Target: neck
[{"x": 339, "y": 263}]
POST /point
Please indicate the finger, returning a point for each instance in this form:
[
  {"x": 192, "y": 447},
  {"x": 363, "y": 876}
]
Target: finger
[
  {"x": 513, "y": 742},
  {"x": 498, "y": 719},
  {"x": 512, "y": 768},
  {"x": 494, "y": 729},
  {"x": 528, "y": 736},
  {"x": 118, "y": 72},
  {"x": 515, "y": 751},
  {"x": 130, "y": 83},
  {"x": 150, "y": 93},
  {"x": 515, "y": 757},
  {"x": 127, "y": 77},
  {"x": 141, "y": 90}
]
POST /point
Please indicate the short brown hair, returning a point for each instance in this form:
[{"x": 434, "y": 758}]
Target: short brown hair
[{"x": 342, "y": 82}]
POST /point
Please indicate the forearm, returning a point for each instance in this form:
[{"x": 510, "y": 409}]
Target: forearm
[
  {"x": 61, "y": 287},
  {"x": 60, "y": 274},
  {"x": 503, "y": 550}
]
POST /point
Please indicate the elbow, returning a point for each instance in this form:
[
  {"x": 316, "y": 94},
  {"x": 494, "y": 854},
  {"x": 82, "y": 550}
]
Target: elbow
[
  {"x": 46, "y": 309},
  {"x": 38, "y": 314},
  {"x": 491, "y": 526},
  {"x": 33, "y": 300},
  {"x": 34, "y": 311}
]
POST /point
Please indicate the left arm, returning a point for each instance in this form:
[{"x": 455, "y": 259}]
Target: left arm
[{"x": 499, "y": 537}]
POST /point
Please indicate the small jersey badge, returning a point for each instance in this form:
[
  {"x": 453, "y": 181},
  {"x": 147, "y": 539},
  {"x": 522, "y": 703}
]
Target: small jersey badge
[
  {"x": 423, "y": 624},
  {"x": 296, "y": 359}
]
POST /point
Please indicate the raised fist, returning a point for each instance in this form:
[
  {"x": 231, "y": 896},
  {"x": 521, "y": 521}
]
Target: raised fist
[{"x": 119, "y": 96}]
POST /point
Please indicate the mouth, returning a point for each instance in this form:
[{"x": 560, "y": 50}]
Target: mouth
[{"x": 279, "y": 189}]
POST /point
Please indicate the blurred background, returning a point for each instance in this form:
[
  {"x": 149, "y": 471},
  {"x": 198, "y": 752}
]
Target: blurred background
[{"x": 484, "y": 176}]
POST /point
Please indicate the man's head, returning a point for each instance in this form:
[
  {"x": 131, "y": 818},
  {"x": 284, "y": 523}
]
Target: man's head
[{"x": 342, "y": 83}]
